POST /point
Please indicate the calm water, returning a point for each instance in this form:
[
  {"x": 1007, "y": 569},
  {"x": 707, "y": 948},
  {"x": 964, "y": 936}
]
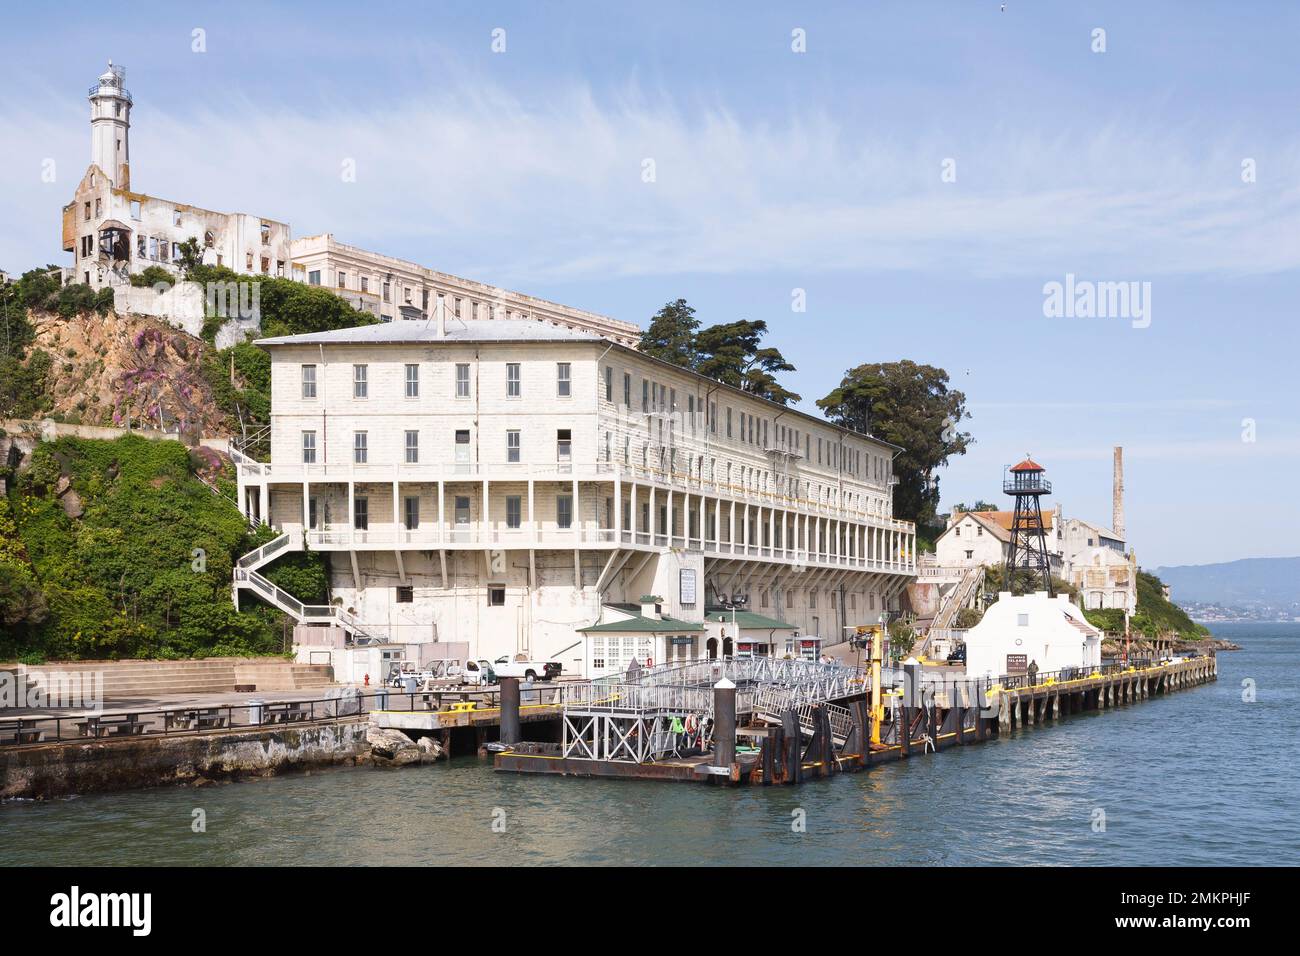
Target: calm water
[{"x": 1192, "y": 779}]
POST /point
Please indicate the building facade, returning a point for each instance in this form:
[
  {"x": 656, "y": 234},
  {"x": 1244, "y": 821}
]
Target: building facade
[
  {"x": 394, "y": 289},
  {"x": 501, "y": 482}
]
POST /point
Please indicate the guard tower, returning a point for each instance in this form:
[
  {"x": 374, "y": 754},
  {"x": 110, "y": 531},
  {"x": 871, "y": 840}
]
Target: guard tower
[
  {"x": 1025, "y": 483},
  {"x": 110, "y": 122}
]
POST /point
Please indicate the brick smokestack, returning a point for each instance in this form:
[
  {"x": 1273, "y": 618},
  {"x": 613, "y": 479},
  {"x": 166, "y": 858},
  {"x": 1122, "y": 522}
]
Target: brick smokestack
[{"x": 1117, "y": 496}]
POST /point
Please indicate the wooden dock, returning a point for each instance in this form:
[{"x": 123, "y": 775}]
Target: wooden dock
[{"x": 787, "y": 755}]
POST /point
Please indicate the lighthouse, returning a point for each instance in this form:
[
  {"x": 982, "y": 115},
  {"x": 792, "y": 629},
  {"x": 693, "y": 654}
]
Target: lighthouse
[{"x": 110, "y": 126}]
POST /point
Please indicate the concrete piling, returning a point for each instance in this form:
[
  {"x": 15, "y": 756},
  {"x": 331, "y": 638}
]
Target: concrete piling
[{"x": 510, "y": 731}]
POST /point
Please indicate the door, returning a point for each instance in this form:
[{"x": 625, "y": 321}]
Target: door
[
  {"x": 462, "y": 452},
  {"x": 462, "y": 532}
]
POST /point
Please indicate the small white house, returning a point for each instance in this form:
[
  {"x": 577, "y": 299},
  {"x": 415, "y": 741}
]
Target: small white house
[{"x": 1015, "y": 632}]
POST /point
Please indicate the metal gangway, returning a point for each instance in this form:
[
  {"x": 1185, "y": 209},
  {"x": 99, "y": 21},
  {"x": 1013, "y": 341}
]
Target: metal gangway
[{"x": 632, "y": 717}]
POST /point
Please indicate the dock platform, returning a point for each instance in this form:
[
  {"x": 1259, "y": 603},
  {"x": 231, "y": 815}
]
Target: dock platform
[{"x": 789, "y": 753}]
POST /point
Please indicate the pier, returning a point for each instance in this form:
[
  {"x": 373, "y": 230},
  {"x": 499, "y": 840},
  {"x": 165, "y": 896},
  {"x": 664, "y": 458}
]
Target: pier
[{"x": 763, "y": 721}]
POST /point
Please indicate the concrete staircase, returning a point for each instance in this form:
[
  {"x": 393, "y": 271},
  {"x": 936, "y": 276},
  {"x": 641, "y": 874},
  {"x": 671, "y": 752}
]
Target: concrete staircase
[{"x": 127, "y": 679}]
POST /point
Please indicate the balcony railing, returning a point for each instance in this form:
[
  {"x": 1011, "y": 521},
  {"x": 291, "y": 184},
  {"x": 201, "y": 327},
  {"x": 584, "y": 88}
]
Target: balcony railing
[
  {"x": 297, "y": 472},
  {"x": 527, "y": 538}
]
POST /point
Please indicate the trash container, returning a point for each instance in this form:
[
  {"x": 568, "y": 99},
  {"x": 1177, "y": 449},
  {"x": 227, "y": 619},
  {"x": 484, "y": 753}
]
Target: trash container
[
  {"x": 410, "y": 684},
  {"x": 255, "y": 710}
]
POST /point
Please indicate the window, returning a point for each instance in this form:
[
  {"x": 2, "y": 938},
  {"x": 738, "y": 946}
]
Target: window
[
  {"x": 142, "y": 247},
  {"x": 462, "y": 380},
  {"x": 405, "y": 594},
  {"x": 360, "y": 384},
  {"x": 512, "y": 380},
  {"x": 265, "y": 229},
  {"x": 412, "y": 381},
  {"x": 564, "y": 511},
  {"x": 412, "y": 447},
  {"x": 309, "y": 381},
  {"x": 313, "y": 277},
  {"x": 388, "y": 291},
  {"x": 609, "y": 384},
  {"x": 728, "y": 422},
  {"x": 789, "y": 599},
  {"x": 135, "y": 209},
  {"x": 360, "y": 450},
  {"x": 1022, "y": 620},
  {"x": 496, "y": 597},
  {"x": 313, "y": 513},
  {"x": 627, "y": 389},
  {"x": 564, "y": 445},
  {"x": 309, "y": 448},
  {"x": 512, "y": 445},
  {"x": 514, "y": 511},
  {"x": 343, "y": 280},
  {"x": 812, "y": 597},
  {"x": 361, "y": 514},
  {"x": 645, "y": 395},
  {"x": 563, "y": 384},
  {"x": 411, "y": 513}
]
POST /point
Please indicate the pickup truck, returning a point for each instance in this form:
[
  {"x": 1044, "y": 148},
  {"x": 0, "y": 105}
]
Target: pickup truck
[{"x": 527, "y": 670}]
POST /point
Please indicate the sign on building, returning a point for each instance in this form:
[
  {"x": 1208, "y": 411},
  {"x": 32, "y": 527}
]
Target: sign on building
[
  {"x": 1017, "y": 663},
  {"x": 686, "y": 580}
]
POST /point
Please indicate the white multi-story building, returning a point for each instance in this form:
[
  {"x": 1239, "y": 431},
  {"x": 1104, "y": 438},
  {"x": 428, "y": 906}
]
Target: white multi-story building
[
  {"x": 114, "y": 233},
  {"x": 499, "y": 482},
  {"x": 394, "y": 289}
]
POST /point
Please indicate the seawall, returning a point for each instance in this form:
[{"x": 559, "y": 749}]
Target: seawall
[{"x": 59, "y": 770}]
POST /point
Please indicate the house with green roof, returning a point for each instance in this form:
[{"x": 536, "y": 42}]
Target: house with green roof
[
  {"x": 641, "y": 632},
  {"x": 745, "y": 633}
]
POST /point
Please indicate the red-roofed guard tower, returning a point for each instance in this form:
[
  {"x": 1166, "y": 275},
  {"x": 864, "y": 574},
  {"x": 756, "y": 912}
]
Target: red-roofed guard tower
[{"x": 1025, "y": 483}]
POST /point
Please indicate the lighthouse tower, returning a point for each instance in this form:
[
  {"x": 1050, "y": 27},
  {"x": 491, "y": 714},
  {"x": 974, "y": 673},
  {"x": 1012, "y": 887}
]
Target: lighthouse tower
[
  {"x": 110, "y": 125},
  {"x": 1025, "y": 483}
]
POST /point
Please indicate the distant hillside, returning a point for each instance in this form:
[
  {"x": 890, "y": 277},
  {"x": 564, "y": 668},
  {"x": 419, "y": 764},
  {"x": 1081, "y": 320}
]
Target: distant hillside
[{"x": 1250, "y": 582}]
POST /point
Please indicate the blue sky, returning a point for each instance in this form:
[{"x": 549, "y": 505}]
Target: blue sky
[{"x": 776, "y": 171}]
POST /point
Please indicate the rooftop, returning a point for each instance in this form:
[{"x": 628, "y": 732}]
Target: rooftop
[{"x": 425, "y": 332}]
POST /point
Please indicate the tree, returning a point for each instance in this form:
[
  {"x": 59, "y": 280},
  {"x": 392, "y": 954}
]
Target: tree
[
  {"x": 671, "y": 335},
  {"x": 980, "y": 505},
  {"x": 191, "y": 255},
  {"x": 730, "y": 354},
  {"x": 909, "y": 405}
]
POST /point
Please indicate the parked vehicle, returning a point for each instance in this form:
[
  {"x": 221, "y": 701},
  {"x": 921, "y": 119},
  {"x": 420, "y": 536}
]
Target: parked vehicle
[
  {"x": 480, "y": 673},
  {"x": 958, "y": 655},
  {"x": 401, "y": 671},
  {"x": 527, "y": 670}
]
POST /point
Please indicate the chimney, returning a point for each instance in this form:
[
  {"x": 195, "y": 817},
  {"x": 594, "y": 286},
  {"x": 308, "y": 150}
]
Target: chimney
[
  {"x": 442, "y": 317},
  {"x": 1117, "y": 496}
]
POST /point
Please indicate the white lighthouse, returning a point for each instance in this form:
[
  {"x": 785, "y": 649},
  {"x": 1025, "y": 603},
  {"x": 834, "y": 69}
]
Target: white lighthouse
[{"x": 110, "y": 125}]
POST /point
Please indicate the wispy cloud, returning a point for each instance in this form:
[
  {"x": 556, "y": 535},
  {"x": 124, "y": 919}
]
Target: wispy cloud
[{"x": 552, "y": 187}]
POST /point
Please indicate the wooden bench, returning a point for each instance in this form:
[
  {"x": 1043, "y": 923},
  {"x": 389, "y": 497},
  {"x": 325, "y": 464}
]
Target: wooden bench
[
  {"x": 111, "y": 725},
  {"x": 20, "y": 731},
  {"x": 201, "y": 718}
]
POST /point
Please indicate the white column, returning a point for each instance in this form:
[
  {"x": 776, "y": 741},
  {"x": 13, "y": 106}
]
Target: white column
[
  {"x": 577, "y": 511},
  {"x": 618, "y": 508},
  {"x": 484, "y": 523},
  {"x": 442, "y": 518},
  {"x": 532, "y": 516},
  {"x": 352, "y": 508}
]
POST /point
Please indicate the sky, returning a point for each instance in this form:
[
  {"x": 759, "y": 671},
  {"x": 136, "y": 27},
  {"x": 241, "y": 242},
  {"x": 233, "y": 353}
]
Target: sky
[{"x": 918, "y": 174}]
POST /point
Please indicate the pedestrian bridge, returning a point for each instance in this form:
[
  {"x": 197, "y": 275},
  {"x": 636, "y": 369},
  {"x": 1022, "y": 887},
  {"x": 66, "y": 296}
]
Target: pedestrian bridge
[{"x": 647, "y": 715}]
